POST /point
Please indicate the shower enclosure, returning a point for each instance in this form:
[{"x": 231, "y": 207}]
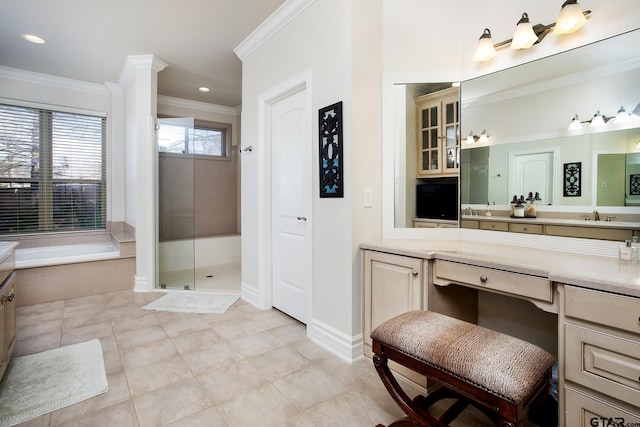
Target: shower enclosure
[
  {"x": 175, "y": 263},
  {"x": 198, "y": 245}
]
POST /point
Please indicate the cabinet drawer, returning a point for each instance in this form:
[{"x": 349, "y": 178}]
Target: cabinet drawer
[
  {"x": 590, "y": 232},
  {"x": 517, "y": 227},
  {"x": 600, "y": 307},
  {"x": 603, "y": 362},
  {"x": 494, "y": 225},
  {"x": 585, "y": 411},
  {"x": 467, "y": 223},
  {"x": 487, "y": 278}
]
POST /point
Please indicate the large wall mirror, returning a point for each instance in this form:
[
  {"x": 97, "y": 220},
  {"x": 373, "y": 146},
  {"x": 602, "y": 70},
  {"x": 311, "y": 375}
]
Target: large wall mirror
[{"x": 526, "y": 111}]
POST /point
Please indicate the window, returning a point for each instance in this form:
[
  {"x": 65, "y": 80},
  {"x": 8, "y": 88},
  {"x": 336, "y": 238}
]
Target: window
[
  {"x": 52, "y": 171},
  {"x": 204, "y": 139}
]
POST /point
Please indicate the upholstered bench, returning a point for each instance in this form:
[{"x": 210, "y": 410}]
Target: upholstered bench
[{"x": 498, "y": 374}]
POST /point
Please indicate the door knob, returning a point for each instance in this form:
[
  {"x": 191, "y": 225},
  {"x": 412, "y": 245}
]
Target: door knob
[{"x": 302, "y": 218}]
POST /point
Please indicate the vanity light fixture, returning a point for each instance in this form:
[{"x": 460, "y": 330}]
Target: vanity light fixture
[
  {"x": 485, "y": 49},
  {"x": 621, "y": 116},
  {"x": 575, "y": 123},
  {"x": 472, "y": 139},
  {"x": 526, "y": 35},
  {"x": 597, "y": 120},
  {"x": 570, "y": 19}
]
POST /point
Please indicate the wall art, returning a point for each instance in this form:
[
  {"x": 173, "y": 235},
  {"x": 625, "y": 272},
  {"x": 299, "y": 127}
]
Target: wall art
[
  {"x": 573, "y": 179},
  {"x": 330, "y": 144}
]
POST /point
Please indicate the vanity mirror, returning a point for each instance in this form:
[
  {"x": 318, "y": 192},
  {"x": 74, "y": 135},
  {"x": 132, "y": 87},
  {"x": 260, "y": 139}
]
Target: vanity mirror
[{"x": 526, "y": 112}]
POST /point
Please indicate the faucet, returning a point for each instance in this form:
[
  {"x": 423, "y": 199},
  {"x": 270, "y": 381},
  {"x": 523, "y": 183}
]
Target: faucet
[
  {"x": 586, "y": 217},
  {"x": 609, "y": 218},
  {"x": 596, "y": 216},
  {"x": 469, "y": 211}
]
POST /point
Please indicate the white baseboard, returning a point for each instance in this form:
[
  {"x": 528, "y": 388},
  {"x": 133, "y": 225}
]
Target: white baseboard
[
  {"x": 249, "y": 294},
  {"x": 141, "y": 284},
  {"x": 347, "y": 348}
]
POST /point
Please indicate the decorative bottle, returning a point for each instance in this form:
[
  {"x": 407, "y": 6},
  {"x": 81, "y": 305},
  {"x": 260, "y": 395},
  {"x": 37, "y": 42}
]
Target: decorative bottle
[
  {"x": 628, "y": 252},
  {"x": 530, "y": 209}
]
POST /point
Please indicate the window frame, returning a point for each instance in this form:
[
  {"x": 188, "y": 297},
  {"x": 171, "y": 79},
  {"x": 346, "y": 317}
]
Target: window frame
[{"x": 47, "y": 182}]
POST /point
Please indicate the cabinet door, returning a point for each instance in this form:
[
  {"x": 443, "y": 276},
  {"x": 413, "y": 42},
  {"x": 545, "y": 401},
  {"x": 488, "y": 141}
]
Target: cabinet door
[
  {"x": 393, "y": 285},
  {"x": 4, "y": 360},
  {"x": 428, "y": 121},
  {"x": 450, "y": 135},
  {"x": 9, "y": 316},
  {"x": 583, "y": 410}
]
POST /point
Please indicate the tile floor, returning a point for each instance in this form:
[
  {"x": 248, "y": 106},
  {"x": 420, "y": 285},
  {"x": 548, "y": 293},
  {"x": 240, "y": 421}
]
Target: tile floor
[{"x": 246, "y": 367}]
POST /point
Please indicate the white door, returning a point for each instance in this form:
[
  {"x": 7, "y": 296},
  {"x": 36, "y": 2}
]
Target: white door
[
  {"x": 291, "y": 191},
  {"x": 534, "y": 173}
]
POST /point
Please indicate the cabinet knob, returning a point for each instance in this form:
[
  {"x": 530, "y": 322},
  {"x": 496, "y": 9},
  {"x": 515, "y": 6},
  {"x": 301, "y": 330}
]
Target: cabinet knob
[
  {"x": 414, "y": 273},
  {"x": 10, "y": 297},
  {"x": 484, "y": 279}
]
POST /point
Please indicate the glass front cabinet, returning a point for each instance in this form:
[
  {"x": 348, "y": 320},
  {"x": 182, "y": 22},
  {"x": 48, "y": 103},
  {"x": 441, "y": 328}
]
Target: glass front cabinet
[{"x": 438, "y": 133}]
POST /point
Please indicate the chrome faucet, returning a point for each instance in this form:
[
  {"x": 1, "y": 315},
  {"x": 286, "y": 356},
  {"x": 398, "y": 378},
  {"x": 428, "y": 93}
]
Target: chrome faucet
[
  {"x": 596, "y": 216},
  {"x": 609, "y": 218},
  {"x": 469, "y": 211}
]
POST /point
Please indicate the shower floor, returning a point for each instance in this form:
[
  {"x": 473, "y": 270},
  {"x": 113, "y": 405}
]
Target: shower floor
[{"x": 218, "y": 278}]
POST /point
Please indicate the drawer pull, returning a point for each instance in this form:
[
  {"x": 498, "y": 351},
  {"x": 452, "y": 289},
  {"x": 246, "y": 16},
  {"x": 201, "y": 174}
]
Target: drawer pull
[
  {"x": 484, "y": 279},
  {"x": 526, "y": 228},
  {"x": 10, "y": 298},
  {"x": 415, "y": 273}
]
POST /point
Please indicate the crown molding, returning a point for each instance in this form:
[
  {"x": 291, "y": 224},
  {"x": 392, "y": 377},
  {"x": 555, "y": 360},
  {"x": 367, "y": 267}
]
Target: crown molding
[
  {"x": 196, "y": 105},
  {"x": 278, "y": 19},
  {"x": 135, "y": 62},
  {"x": 32, "y": 77}
]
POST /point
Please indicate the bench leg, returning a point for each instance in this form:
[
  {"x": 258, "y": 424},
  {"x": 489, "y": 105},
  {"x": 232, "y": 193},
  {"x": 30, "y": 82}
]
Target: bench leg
[{"x": 416, "y": 415}]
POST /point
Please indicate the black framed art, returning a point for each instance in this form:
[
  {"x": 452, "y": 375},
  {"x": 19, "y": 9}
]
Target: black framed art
[
  {"x": 573, "y": 179},
  {"x": 330, "y": 145},
  {"x": 634, "y": 184}
]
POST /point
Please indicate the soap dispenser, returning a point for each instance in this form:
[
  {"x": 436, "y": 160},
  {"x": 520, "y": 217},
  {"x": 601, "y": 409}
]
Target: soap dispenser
[{"x": 628, "y": 252}]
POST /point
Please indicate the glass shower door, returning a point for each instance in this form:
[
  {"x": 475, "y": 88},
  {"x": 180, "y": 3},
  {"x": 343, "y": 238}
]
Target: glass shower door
[{"x": 175, "y": 244}]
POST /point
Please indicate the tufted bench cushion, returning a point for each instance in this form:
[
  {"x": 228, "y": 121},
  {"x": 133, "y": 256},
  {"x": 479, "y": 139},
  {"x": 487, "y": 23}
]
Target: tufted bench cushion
[{"x": 502, "y": 365}]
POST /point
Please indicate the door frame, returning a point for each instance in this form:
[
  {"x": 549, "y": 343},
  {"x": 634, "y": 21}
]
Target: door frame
[{"x": 296, "y": 83}]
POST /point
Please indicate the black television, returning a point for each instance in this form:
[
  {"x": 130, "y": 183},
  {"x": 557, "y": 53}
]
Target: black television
[{"x": 437, "y": 198}]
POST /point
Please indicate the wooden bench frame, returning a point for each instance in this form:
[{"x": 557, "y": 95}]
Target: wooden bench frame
[{"x": 501, "y": 411}]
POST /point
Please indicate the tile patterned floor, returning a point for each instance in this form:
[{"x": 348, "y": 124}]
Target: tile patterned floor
[{"x": 246, "y": 367}]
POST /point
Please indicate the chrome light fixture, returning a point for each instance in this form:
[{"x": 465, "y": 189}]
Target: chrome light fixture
[
  {"x": 570, "y": 19},
  {"x": 485, "y": 49},
  {"x": 524, "y": 37}
]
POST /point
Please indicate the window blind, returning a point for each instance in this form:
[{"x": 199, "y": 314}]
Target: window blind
[{"x": 52, "y": 171}]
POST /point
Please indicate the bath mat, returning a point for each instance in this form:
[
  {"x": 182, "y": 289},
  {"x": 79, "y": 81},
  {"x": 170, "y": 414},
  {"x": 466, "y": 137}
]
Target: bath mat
[
  {"x": 193, "y": 302},
  {"x": 40, "y": 383}
]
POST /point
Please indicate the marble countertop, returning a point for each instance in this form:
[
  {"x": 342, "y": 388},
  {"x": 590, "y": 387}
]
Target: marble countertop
[
  {"x": 555, "y": 221},
  {"x": 599, "y": 273},
  {"x": 6, "y": 248}
]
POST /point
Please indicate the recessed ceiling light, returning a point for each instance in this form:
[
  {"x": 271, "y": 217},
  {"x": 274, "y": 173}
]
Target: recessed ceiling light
[
  {"x": 204, "y": 89},
  {"x": 33, "y": 39}
]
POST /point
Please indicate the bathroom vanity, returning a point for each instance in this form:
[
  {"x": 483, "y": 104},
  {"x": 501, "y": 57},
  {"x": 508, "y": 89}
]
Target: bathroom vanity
[
  {"x": 583, "y": 309},
  {"x": 7, "y": 304}
]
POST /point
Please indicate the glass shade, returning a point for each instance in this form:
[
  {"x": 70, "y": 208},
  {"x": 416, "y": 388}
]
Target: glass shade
[
  {"x": 483, "y": 136},
  {"x": 470, "y": 138},
  {"x": 575, "y": 123},
  {"x": 484, "y": 50},
  {"x": 597, "y": 120},
  {"x": 524, "y": 37},
  {"x": 570, "y": 19},
  {"x": 621, "y": 116}
]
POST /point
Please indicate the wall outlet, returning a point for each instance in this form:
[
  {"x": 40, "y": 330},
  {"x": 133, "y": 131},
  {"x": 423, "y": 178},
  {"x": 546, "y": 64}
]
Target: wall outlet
[{"x": 368, "y": 198}]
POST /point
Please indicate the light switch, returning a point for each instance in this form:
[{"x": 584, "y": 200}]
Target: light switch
[{"x": 368, "y": 198}]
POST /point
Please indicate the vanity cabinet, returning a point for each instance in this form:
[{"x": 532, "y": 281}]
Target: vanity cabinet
[
  {"x": 393, "y": 284},
  {"x": 438, "y": 133},
  {"x": 602, "y": 357},
  {"x": 7, "y": 320}
]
